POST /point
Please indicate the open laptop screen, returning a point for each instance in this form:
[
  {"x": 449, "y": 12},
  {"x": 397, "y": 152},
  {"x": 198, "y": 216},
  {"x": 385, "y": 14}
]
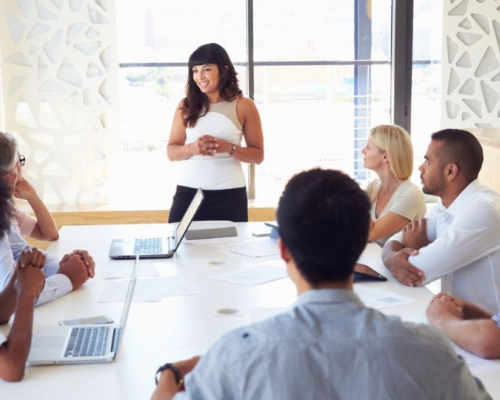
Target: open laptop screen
[{"x": 188, "y": 217}]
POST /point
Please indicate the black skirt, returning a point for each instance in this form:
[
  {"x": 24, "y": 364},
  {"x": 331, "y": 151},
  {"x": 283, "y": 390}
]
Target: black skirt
[{"x": 219, "y": 205}]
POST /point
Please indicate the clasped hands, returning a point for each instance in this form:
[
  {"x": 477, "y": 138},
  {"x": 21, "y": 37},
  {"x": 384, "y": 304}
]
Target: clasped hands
[
  {"x": 414, "y": 238},
  {"x": 444, "y": 306},
  {"x": 208, "y": 145},
  {"x": 78, "y": 265}
]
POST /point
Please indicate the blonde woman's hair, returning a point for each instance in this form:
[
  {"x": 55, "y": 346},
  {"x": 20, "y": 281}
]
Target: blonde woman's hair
[{"x": 397, "y": 143}]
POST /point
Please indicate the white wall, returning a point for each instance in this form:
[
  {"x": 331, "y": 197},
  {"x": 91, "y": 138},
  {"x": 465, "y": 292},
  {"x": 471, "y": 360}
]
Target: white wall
[
  {"x": 471, "y": 64},
  {"x": 59, "y": 86}
]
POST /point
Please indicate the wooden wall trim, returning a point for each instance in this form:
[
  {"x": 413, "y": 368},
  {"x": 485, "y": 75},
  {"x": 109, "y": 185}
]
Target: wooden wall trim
[{"x": 138, "y": 217}]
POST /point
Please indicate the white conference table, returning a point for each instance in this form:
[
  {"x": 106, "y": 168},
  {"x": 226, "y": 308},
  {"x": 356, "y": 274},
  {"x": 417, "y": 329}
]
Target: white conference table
[{"x": 175, "y": 328}]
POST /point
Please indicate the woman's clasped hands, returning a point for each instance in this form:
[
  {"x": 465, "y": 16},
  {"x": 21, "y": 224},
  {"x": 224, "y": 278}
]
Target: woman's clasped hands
[{"x": 208, "y": 145}]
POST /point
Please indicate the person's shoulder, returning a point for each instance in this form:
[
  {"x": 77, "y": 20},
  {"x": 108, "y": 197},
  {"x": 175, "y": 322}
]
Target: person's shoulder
[
  {"x": 483, "y": 202},
  {"x": 428, "y": 338},
  {"x": 244, "y": 103}
]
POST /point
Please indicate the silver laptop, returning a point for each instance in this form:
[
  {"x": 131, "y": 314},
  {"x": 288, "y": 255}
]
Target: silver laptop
[
  {"x": 81, "y": 344},
  {"x": 157, "y": 247}
]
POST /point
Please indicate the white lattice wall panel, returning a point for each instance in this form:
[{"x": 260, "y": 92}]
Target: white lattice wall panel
[
  {"x": 59, "y": 86},
  {"x": 471, "y": 63}
]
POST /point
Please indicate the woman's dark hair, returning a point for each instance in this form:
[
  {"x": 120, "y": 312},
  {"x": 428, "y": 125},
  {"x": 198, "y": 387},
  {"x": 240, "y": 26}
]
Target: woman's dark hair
[
  {"x": 195, "y": 104},
  {"x": 5, "y": 206}
]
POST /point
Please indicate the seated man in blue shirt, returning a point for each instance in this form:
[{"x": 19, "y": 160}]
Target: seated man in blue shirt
[
  {"x": 328, "y": 345},
  {"x": 472, "y": 328}
]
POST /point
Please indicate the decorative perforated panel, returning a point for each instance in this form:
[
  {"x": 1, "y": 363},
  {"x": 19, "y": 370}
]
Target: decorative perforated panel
[
  {"x": 471, "y": 63},
  {"x": 59, "y": 86}
]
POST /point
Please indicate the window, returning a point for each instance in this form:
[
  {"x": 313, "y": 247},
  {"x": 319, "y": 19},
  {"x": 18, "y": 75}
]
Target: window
[
  {"x": 320, "y": 74},
  {"x": 321, "y": 80},
  {"x": 426, "y": 74}
]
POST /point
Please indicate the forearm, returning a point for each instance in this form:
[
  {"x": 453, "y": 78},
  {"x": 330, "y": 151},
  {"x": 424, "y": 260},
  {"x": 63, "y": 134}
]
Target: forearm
[
  {"x": 389, "y": 250},
  {"x": 180, "y": 152},
  {"x": 471, "y": 311},
  {"x": 251, "y": 155},
  {"x": 167, "y": 386},
  {"x": 8, "y": 300},
  {"x": 55, "y": 286},
  {"x": 481, "y": 337},
  {"x": 46, "y": 228},
  {"x": 14, "y": 352}
]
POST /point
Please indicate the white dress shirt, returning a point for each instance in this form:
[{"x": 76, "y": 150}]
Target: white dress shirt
[
  {"x": 465, "y": 248},
  {"x": 3, "y": 339},
  {"x": 11, "y": 246}
]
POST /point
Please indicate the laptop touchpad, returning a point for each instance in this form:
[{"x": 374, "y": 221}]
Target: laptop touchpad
[{"x": 49, "y": 341}]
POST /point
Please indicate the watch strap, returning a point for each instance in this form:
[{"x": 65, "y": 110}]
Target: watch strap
[{"x": 177, "y": 374}]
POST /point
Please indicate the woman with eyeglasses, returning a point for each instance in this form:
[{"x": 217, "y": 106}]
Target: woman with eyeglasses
[
  {"x": 42, "y": 226},
  {"x": 207, "y": 131}
]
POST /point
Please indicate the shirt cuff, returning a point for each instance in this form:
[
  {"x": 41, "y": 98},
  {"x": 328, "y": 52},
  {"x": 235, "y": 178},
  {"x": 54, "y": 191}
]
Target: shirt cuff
[
  {"x": 51, "y": 265},
  {"x": 496, "y": 318},
  {"x": 55, "y": 286}
]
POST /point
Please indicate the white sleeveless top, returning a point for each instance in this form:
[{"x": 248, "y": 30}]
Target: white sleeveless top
[{"x": 220, "y": 171}]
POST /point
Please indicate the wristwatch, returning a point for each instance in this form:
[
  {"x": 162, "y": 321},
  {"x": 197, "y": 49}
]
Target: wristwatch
[
  {"x": 233, "y": 149},
  {"x": 175, "y": 370}
]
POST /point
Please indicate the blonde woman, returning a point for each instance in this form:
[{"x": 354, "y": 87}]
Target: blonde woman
[{"x": 395, "y": 200}]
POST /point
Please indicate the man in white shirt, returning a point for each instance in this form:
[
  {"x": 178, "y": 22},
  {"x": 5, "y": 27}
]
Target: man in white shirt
[{"x": 459, "y": 240}]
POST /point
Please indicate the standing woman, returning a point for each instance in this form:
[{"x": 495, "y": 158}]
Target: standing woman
[
  {"x": 395, "y": 200},
  {"x": 206, "y": 135}
]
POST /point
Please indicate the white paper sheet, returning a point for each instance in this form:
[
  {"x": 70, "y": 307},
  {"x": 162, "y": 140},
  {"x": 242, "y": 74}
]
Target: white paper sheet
[
  {"x": 148, "y": 290},
  {"x": 478, "y": 365},
  {"x": 378, "y": 299},
  {"x": 121, "y": 270},
  {"x": 253, "y": 251},
  {"x": 252, "y": 276}
]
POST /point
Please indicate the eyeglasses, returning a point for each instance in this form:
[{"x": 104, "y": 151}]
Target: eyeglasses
[{"x": 22, "y": 160}]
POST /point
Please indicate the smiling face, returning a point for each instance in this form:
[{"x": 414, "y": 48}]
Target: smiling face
[
  {"x": 207, "y": 78},
  {"x": 373, "y": 156},
  {"x": 431, "y": 171}
]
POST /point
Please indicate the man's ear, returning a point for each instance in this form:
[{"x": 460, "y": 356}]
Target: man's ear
[
  {"x": 451, "y": 171},
  {"x": 284, "y": 252}
]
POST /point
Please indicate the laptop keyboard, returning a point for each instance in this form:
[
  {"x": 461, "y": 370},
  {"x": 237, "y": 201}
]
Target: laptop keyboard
[
  {"x": 87, "y": 341},
  {"x": 148, "y": 246}
]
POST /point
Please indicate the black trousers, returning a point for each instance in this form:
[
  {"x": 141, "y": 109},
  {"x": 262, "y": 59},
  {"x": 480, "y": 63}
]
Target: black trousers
[{"x": 218, "y": 205}]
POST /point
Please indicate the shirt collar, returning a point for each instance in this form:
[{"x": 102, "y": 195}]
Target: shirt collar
[
  {"x": 328, "y": 296},
  {"x": 458, "y": 204}
]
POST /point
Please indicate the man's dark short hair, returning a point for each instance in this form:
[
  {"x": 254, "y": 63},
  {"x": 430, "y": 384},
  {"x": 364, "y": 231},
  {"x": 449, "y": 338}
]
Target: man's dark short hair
[
  {"x": 462, "y": 148},
  {"x": 323, "y": 218}
]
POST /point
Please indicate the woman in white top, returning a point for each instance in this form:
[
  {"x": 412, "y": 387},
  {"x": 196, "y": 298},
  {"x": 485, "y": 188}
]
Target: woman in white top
[
  {"x": 395, "y": 200},
  {"x": 206, "y": 135}
]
